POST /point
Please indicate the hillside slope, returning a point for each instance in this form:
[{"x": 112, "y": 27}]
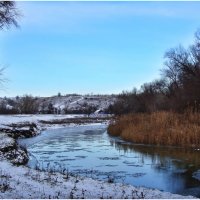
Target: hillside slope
[{"x": 68, "y": 104}]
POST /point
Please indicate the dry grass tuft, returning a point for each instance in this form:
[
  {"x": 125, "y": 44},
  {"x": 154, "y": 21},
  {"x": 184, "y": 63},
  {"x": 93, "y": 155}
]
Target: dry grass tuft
[{"x": 159, "y": 128}]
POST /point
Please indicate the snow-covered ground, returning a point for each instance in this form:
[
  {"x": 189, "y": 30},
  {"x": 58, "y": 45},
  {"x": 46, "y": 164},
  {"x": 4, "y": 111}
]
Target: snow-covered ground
[
  {"x": 5, "y": 141},
  {"x": 13, "y": 119},
  {"x": 23, "y": 182},
  {"x": 8, "y": 120}
]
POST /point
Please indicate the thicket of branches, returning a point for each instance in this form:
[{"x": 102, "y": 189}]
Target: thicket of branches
[
  {"x": 8, "y": 14},
  {"x": 178, "y": 88},
  {"x": 19, "y": 105}
]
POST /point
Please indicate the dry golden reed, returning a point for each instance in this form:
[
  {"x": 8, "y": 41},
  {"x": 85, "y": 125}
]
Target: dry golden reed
[{"x": 159, "y": 128}]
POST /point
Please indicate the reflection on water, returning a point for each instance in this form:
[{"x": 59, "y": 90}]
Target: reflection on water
[{"x": 89, "y": 151}]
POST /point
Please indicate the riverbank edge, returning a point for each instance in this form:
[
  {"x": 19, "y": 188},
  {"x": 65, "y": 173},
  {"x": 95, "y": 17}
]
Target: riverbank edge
[
  {"x": 17, "y": 154},
  {"x": 33, "y": 129}
]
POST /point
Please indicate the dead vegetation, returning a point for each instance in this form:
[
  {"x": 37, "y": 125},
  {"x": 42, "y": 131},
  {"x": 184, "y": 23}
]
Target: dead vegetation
[{"x": 159, "y": 128}]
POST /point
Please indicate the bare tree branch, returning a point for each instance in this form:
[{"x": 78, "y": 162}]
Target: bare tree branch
[{"x": 8, "y": 14}]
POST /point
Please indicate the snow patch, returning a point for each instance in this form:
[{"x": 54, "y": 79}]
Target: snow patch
[
  {"x": 6, "y": 142},
  {"x": 196, "y": 175}
]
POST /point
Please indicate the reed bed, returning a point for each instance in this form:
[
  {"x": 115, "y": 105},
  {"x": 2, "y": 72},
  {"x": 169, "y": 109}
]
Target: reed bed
[{"x": 159, "y": 128}]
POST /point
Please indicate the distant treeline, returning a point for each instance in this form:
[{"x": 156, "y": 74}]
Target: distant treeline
[
  {"x": 19, "y": 105},
  {"x": 177, "y": 90},
  {"x": 28, "y": 104}
]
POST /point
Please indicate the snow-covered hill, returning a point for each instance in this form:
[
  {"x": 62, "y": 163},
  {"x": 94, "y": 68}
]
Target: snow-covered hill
[
  {"x": 65, "y": 104},
  {"x": 78, "y": 102}
]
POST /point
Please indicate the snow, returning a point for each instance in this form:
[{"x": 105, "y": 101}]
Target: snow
[
  {"x": 196, "y": 175},
  {"x": 5, "y": 141},
  {"x": 15, "y": 119},
  {"x": 22, "y": 182},
  {"x": 74, "y": 102},
  {"x": 97, "y": 111},
  {"x": 6, "y": 121},
  {"x": 9, "y": 107},
  {"x": 63, "y": 104},
  {"x": 10, "y": 150}
]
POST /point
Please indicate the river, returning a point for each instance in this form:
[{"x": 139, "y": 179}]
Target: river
[{"x": 90, "y": 152}]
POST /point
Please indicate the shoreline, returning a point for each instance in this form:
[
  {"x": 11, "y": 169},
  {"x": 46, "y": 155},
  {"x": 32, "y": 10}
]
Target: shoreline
[
  {"x": 75, "y": 187},
  {"x": 26, "y": 126},
  {"x": 163, "y": 128}
]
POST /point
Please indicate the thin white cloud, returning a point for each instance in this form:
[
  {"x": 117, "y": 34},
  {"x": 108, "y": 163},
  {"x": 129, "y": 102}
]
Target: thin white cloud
[{"x": 76, "y": 12}]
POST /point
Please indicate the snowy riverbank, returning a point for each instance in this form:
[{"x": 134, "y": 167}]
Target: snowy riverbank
[
  {"x": 46, "y": 121},
  {"x": 22, "y": 182}
]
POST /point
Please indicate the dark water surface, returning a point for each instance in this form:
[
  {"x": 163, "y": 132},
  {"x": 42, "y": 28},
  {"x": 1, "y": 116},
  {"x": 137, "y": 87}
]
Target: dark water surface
[{"x": 89, "y": 151}]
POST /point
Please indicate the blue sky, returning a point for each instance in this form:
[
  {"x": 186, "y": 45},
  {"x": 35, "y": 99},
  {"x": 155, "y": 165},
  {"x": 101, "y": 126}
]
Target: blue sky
[{"x": 92, "y": 47}]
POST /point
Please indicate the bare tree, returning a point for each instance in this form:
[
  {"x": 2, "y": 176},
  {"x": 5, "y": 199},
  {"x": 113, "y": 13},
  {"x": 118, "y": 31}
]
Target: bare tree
[
  {"x": 177, "y": 90},
  {"x": 8, "y": 14},
  {"x": 28, "y": 105},
  {"x": 2, "y": 79},
  {"x": 182, "y": 70},
  {"x": 8, "y": 17}
]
